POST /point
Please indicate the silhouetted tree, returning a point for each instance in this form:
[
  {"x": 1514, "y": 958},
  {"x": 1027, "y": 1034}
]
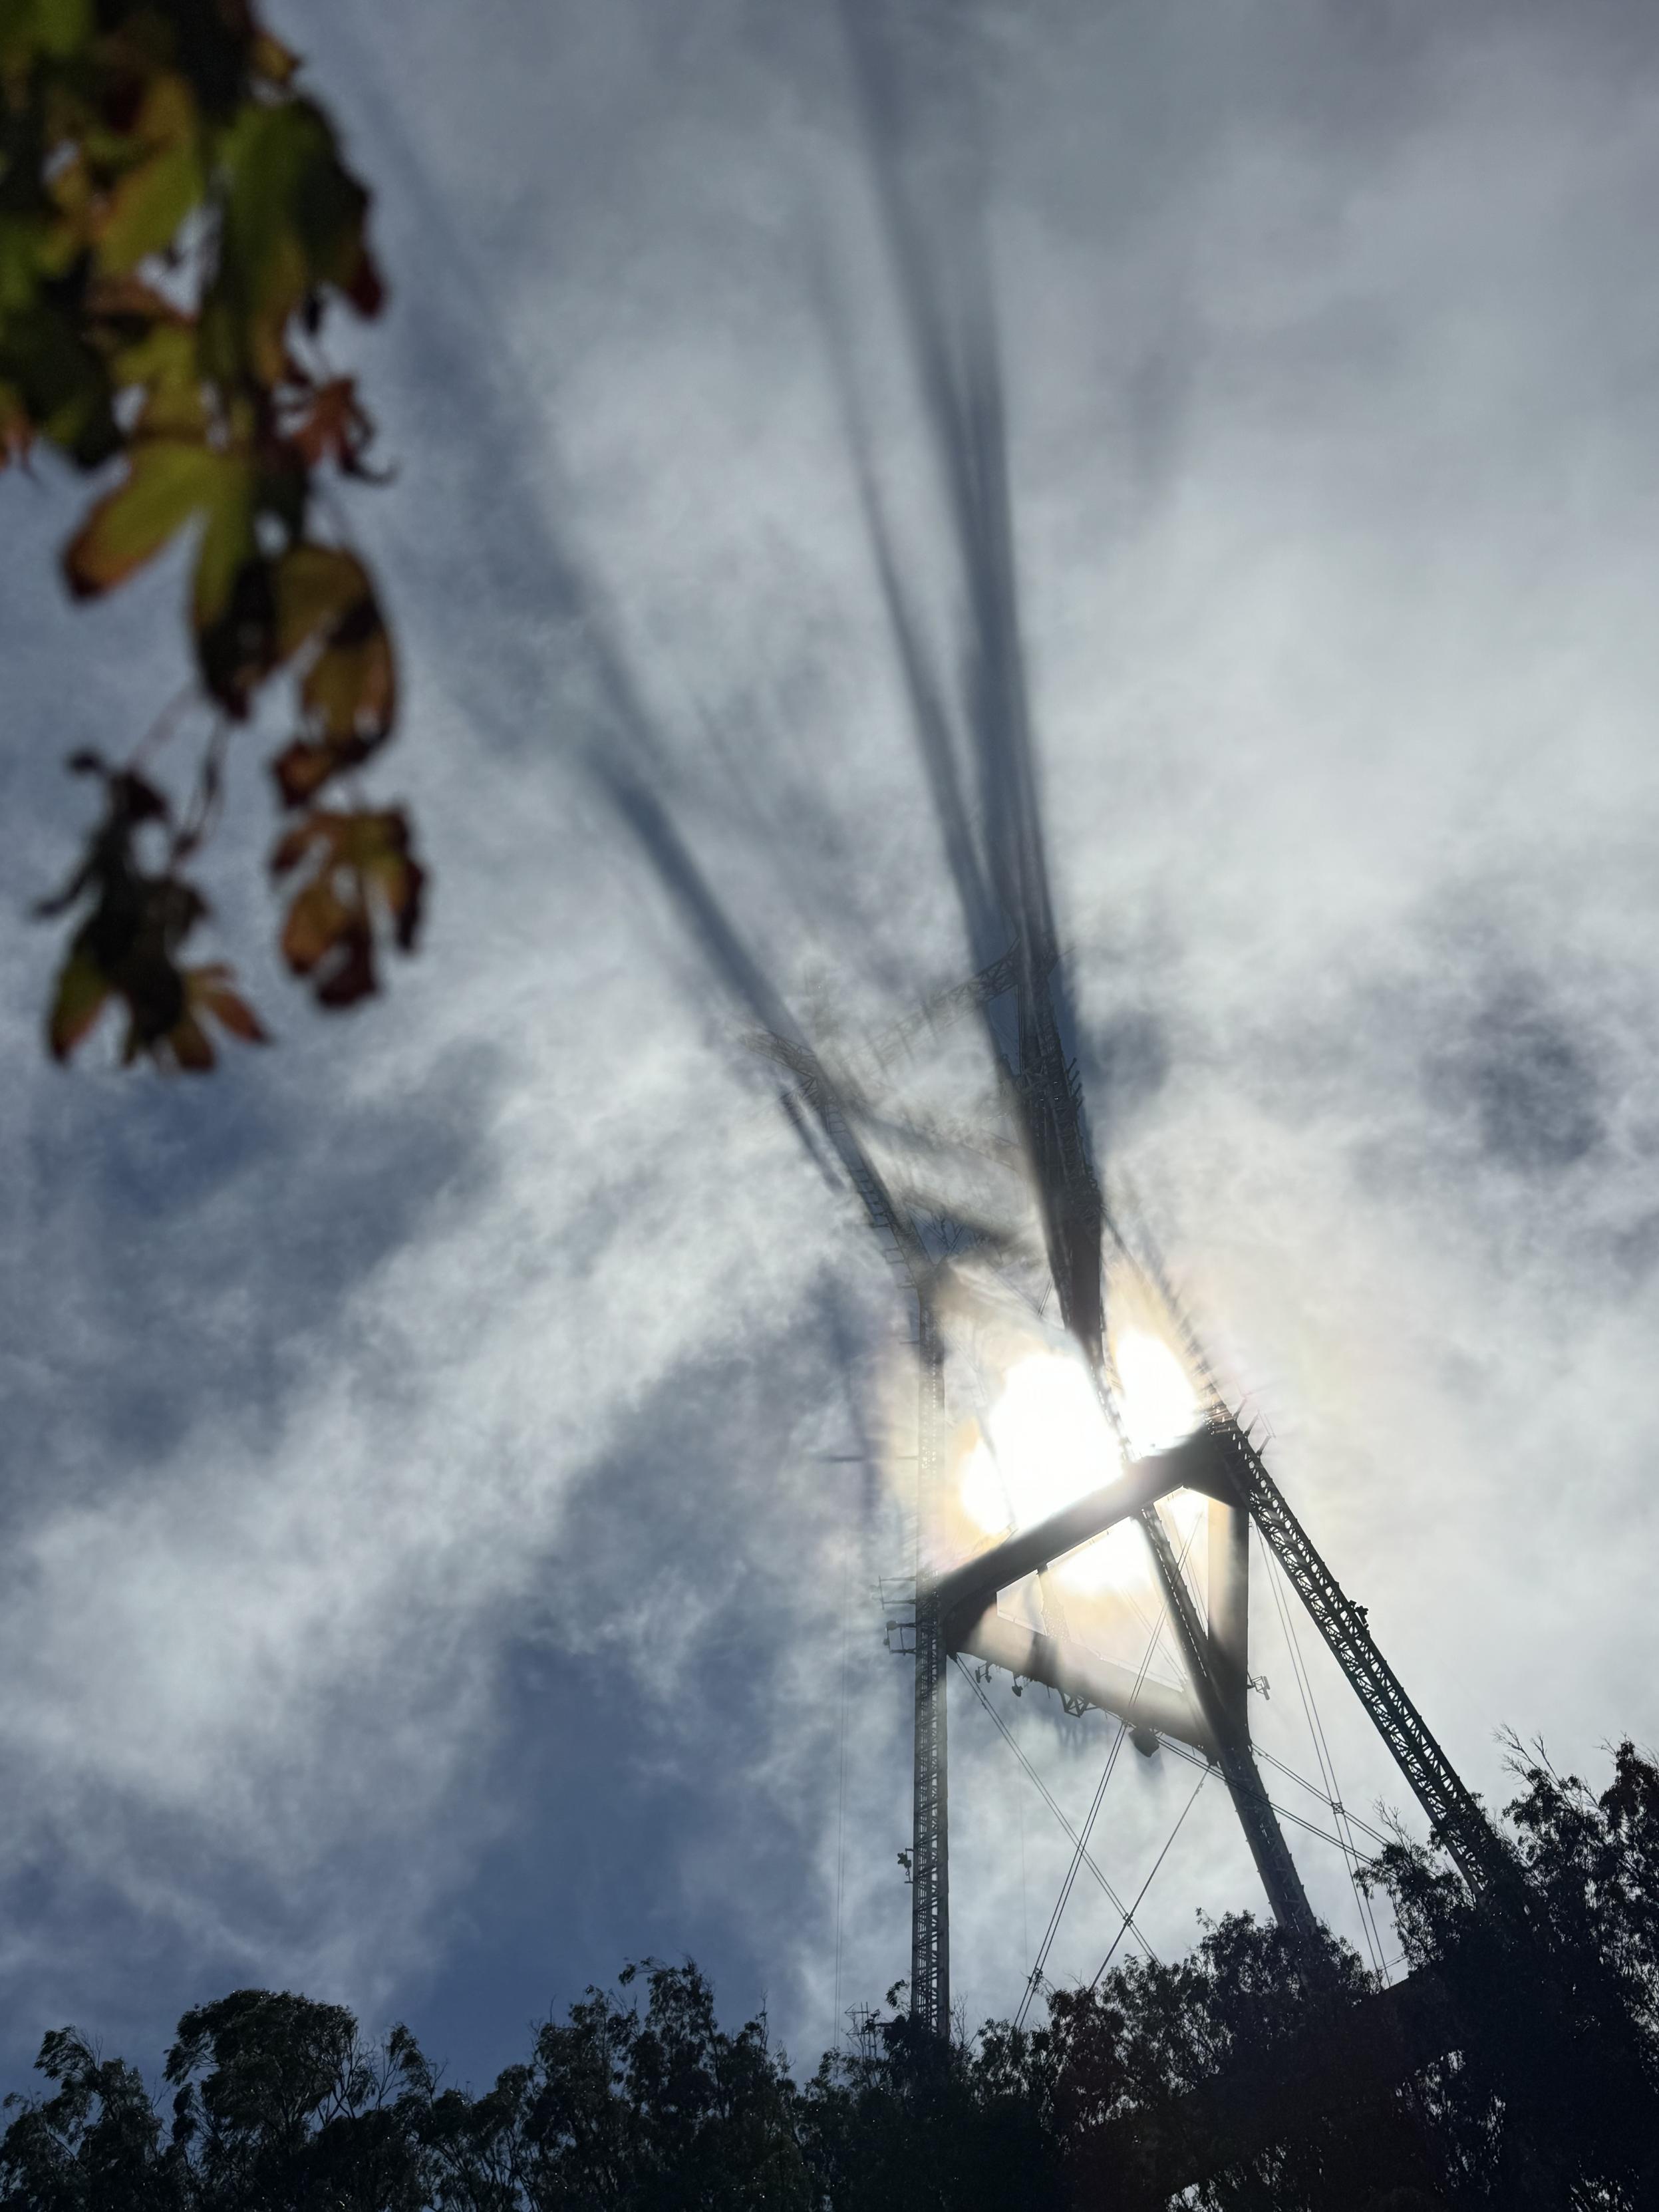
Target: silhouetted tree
[
  {"x": 1553, "y": 2093},
  {"x": 904, "y": 2118},
  {"x": 276, "y": 2102},
  {"x": 1542, "y": 2084},
  {"x": 656, "y": 2109},
  {"x": 1234, "y": 2076}
]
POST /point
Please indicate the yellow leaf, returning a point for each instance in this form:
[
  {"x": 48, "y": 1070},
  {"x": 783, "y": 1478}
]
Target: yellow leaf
[{"x": 330, "y": 928}]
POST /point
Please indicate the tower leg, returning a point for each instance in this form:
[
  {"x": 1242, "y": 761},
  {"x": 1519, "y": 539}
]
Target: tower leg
[
  {"x": 1272, "y": 1854},
  {"x": 1230, "y": 1605},
  {"x": 1229, "y": 1725},
  {"x": 930, "y": 1855}
]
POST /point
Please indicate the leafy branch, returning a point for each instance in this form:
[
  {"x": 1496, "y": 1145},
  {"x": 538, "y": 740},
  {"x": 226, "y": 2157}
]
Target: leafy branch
[{"x": 176, "y": 223}]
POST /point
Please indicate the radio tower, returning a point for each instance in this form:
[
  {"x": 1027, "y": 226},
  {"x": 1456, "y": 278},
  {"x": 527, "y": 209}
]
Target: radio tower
[
  {"x": 972, "y": 721},
  {"x": 972, "y": 728},
  {"x": 956, "y": 1604}
]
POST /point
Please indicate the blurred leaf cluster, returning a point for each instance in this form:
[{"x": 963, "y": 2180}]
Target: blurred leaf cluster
[{"x": 177, "y": 224}]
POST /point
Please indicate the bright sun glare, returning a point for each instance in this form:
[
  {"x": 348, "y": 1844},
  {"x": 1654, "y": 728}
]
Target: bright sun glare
[{"x": 1046, "y": 1440}]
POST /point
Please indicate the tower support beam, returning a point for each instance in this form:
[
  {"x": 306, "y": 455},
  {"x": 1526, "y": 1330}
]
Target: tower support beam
[
  {"x": 1190, "y": 1465},
  {"x": 1060, "y": 1662}
]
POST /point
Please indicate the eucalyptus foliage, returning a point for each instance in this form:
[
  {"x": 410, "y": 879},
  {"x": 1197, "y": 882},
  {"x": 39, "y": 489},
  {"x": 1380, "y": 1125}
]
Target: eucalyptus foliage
[{"x": 1545, "y": 2093}]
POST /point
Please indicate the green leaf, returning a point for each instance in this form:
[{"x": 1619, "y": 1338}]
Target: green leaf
[
  {"x": 83, "y": 989},
  {"x": 61, "y": 28},
  {"x": 318, "y": 587},
  {"x": 62, "y": 383},
  {"x": 292, "y": 221},
  {"x": 227, "y": 540},
  {"x": 21, "y": 240},
  {"x": 163, "y": 364},
  {"x": 351, "y": 689},
  {"x": 148, "y": 207},
  {"x": 149, "y": 204},
  {"x": 169, "y": 481}
]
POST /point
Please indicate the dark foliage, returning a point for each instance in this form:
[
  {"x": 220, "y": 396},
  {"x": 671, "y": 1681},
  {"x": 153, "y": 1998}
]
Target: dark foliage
[
  {"x": 1234, "y": 2074},
  {"x": 906, "y": 2119}
]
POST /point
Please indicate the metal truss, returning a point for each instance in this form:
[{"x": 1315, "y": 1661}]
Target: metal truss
[{"x": 1454, "y": 1811}]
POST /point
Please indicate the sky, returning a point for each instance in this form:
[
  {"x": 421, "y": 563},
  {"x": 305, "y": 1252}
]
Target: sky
[{"x": 444, "y": 1506}]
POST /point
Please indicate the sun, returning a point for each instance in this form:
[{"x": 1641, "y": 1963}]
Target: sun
[{"x": 1045, "y": 1441}]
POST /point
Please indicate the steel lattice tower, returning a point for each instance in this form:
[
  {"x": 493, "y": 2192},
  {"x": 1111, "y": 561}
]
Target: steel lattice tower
[
  {"x": 930, "y": 1847},
  {"x": 970, "y": 712},
  {"x": 955, "y": 1605},
  {"x": 956, "y": 1610}
]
